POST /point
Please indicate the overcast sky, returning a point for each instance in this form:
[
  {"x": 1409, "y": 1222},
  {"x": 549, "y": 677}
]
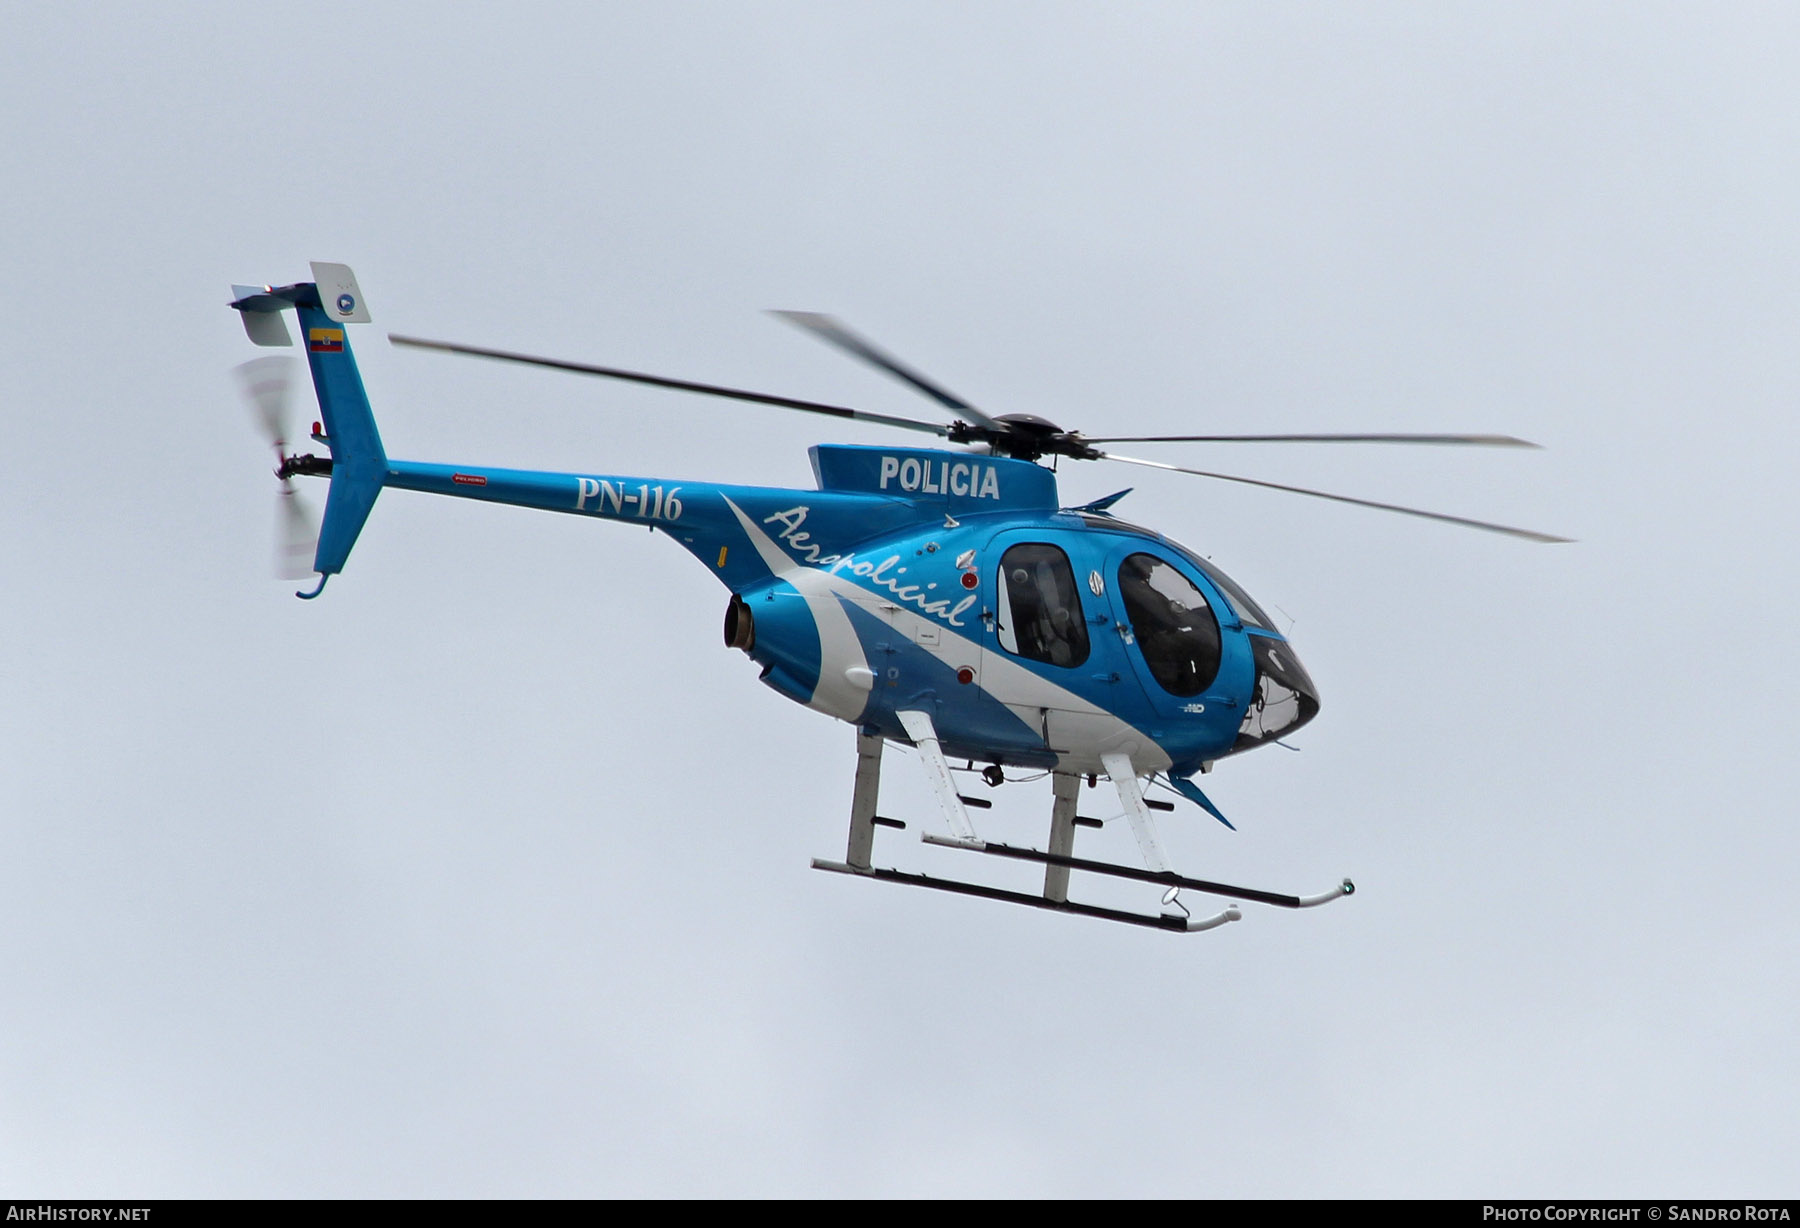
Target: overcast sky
[{"x": 487, "y": 873}]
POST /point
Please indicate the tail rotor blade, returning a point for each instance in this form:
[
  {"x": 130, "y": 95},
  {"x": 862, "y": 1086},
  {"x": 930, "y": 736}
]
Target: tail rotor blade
[
  {"x": 296, "y": 534},
  {"x": 268, "y": 387}
]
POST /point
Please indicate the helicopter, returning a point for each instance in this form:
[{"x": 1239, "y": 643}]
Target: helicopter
[{"x": 932, "y": 598}]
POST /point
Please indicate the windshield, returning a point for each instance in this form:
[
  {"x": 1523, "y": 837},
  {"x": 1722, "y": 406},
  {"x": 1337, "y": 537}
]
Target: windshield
[
  {"x": 1248, "y": 612},
  {"x": 1241, "y": 603}
]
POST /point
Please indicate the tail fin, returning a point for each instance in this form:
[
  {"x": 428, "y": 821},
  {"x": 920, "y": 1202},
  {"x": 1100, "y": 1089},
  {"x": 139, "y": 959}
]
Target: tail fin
[{"x": 358, "y": 462}]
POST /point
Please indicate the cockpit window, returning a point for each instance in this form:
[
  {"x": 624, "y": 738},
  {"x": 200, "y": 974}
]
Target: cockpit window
[
  {"x": 1172, "y": 624},
  {"x": 1042, "y": 619},
  {"x": 1248, "y": 612}
]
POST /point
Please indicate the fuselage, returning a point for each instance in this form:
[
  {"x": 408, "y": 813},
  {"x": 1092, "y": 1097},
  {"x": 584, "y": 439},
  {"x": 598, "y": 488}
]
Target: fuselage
[{"x": 953, "y": 583}]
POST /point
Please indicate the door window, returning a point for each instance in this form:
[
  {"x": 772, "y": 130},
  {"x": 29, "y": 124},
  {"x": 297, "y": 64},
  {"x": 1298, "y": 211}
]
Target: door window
[{"x": 1041, "y": 618}]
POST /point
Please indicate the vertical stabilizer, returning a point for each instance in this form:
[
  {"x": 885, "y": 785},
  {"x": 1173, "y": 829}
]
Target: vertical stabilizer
[{"x": 358, "y": 462}]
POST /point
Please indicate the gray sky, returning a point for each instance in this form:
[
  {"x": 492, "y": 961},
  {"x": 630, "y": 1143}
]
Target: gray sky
[{"x": 487, "y": 873}]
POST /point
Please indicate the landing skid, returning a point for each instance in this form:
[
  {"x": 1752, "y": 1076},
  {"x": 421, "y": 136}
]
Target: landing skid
[
  {"x": 1058, "y": 862},
  {"x": 1165, "y": 878},
  {"x": 1160, "y": 921}
]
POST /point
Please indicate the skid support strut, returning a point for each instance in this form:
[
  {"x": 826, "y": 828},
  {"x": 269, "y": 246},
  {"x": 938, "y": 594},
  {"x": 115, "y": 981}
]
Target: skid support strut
[
  {"x": 1066, "y": 788},
  {"x": 919, "y": 728},
  {"x": 1058, "y": 862},
  {"x": 862, "y": 804}
]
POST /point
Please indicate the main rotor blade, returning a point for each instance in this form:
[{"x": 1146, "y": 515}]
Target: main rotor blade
[
  {"x": 836, "y": 333},
  {"x": 1478, "y": 441},
  {"x": 1527, "y": 534},
  {"x": 680, "y": 385}
]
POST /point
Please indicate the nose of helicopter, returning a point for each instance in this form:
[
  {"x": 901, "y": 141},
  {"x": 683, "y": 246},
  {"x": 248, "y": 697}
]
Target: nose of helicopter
[{"x": 1285, "y": 697}]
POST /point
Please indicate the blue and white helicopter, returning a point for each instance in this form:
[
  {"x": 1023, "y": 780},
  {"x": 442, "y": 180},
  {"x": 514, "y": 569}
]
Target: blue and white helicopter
[{"x": 942, "y": 600}]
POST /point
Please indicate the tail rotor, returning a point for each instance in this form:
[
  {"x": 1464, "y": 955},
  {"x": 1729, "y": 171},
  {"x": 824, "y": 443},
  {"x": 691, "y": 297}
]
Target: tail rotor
[{"x": 267, "y": 385}]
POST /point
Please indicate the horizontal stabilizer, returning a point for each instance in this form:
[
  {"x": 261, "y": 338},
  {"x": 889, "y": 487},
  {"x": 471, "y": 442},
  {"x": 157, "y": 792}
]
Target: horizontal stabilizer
[
  {"x": 266, "y": 328},
  {"x": 333, "y": 290},
  {"x": 260, "y": 311}
]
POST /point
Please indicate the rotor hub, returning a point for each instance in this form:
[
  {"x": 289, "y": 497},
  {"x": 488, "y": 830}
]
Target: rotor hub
[{"x": 1025, "y": 437}]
